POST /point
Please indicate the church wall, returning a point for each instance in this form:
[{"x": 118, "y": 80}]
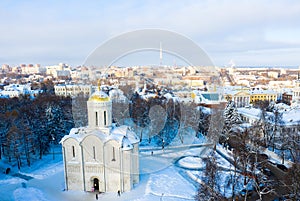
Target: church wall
[
  {"x": 135, "y": 164},
  {"x": 127, "y": 170},
  {"x": 93, "y": 171},
  {"x": 73, "y": 164},
  {"x": 112, "y": 166},
  {"x": 93, "y": 162},
  {"x": 93, "y": 149}
]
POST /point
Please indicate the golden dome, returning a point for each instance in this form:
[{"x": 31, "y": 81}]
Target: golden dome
[{"x": 99, "y": 96}]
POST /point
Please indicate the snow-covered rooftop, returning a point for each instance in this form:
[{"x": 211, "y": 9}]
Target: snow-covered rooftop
[
  {"x": 261, "y": 91},
  {"x": 251, "y": 112},
  {"x": 291, "y": 117},
  {"x": 123, "y": 135}
]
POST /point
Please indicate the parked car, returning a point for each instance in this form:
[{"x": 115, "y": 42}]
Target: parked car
[{"x": 282, "y": 167}]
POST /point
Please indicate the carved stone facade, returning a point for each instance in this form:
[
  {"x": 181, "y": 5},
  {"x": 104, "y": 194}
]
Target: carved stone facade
[{"x": 101, "y": 157}]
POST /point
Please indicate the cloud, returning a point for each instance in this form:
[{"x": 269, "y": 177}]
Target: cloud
[{"x": 54, "y": 30}]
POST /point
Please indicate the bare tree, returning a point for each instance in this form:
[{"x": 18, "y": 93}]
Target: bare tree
[
  {"x": 189, "y": 119},
  {"x": 79, "y": 110},
  {"x": 293, "y": 180},
  {"x": 216, "y": 125},
  {"x": 292, "y": 142},
  {"x": 209, "y": 189}
]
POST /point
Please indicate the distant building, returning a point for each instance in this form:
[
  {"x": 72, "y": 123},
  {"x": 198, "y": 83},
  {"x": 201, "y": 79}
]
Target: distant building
[
  {"x": 257, "y": 94},
  {"x": 296, "y": 93},
  {"x": 194, "y": 81},
  {"x": 240, "y": 96},
  {"x": 101, "y": 157},
  {"x": 15, "y": 90},
  {"x": 289, "y": 122},
  {"x": 208, "y": 99},
  {"x": 62, "y": 74},
  {"x": 73, "y": 90},
  {"x": 5, "y": 68},
  {"x": 60, "y": 70},
  {"x": 287, "y": 98},
  {"x": 30, "y": 69}
]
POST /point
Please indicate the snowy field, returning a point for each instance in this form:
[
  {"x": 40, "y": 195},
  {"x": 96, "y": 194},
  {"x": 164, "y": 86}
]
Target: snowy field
[
  {"x": 169, "y": 175},
  {"x": 160, "y": 180}
]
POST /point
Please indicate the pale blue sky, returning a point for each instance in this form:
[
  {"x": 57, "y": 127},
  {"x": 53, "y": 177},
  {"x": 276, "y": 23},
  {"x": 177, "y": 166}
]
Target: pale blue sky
[{"x": 248, "y": 32}]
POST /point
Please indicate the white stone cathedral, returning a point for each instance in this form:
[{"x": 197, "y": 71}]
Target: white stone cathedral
[{"x": 101, "y": 157}]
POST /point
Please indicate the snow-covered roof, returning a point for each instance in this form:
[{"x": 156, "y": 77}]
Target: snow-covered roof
[
  {"x": 123, "y": 135},
  {"x": 250, "y": 112},
  {"x": 208, "y": 97},
  {"x": 282, "y": 106},
  {"x": 232, "y": 90},
  {"x": 170, "y": 96},
  {"x": 291, "y": 117},
  {"x": 117, "y": 94},
  {"x": 205, "y": 110},
  {"x": 261, "y": 91},
  {"x": 126, "y": 131}
]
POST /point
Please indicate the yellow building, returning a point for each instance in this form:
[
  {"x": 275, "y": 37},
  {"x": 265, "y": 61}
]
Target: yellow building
[{"x": 257, "y": 94}]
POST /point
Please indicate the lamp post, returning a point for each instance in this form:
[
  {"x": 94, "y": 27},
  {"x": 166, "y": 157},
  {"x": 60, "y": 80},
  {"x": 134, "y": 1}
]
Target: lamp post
[{"x": 53, "y": 138}]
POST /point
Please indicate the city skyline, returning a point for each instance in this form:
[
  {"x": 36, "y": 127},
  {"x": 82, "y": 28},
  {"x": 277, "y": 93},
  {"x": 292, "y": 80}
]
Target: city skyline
[{"x": 249, "y": 33}]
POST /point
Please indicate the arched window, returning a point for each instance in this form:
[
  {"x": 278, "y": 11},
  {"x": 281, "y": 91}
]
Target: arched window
[
  {"x": 96, "y": 118},
  {"x": 104, "y": 118},
  {"x": 73, "y": 151},
  {"x": 94, "y": 153},
  {"x": 113, "y": 154}
]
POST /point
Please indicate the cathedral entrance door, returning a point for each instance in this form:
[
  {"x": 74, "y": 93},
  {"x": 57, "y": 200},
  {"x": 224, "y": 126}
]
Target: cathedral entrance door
[{"x": 96, "y": 184}]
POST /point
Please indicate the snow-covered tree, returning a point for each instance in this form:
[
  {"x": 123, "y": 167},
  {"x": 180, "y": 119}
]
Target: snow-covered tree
[
  {"x": 55, "y": 124},
  {"x": 203, "y": 120},
  {"x": 231, "y": 116},
  {"x": 25, "y": 130}
]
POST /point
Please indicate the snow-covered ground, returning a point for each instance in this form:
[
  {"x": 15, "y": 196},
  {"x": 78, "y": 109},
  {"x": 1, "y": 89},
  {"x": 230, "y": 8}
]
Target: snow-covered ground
[
  {"x": 169, "y": 175},
  {"x": 160, "y": 179},
  {"x": 192, "y": 162}
]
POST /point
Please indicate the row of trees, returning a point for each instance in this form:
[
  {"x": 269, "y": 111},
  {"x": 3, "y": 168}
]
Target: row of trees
[
  {"x": 159, "y": 114},
  {"x": 247, "y": 142},
  {"x": 28, "y": 126}
]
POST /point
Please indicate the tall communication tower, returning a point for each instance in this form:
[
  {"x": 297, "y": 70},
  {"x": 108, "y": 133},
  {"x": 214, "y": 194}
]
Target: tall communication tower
[{"x": 160, "y": 54}]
